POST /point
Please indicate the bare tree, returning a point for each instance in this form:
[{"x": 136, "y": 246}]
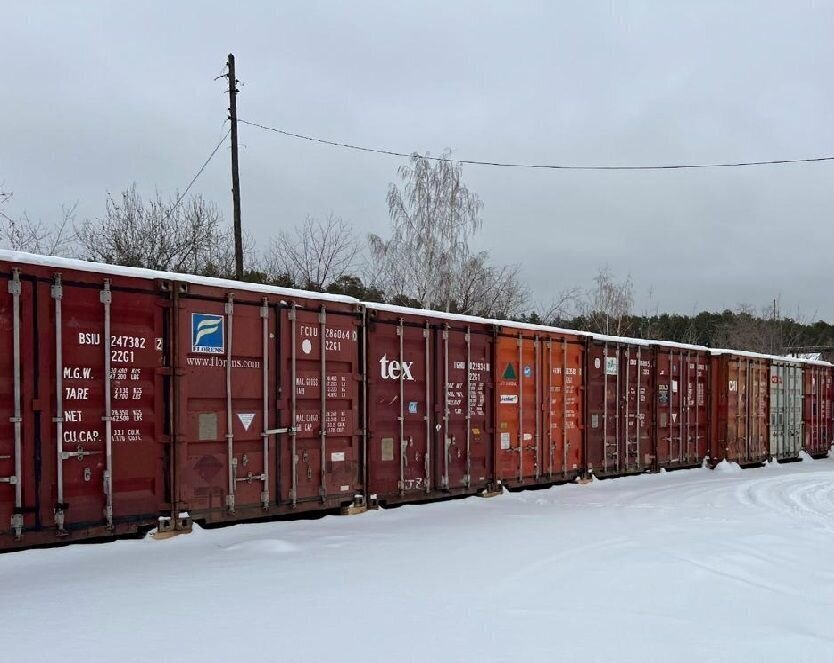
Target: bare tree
[
  {"x": 561, "y": 308},
  {"x": 315, "y": 254},
  {"x": 433, "y": 215},
  {"x": 608, "y": 304},
  {"x": 761, "y": 330},
  {"x": 179, "y": 236},
  {"x": 480, "y": 288},
  {"x": 24, "y": 234}
]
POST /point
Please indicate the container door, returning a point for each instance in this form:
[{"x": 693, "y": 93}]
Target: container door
[
  {"x": 817, "y": 414},
  {"x": 681, "y": 413},
  {"x": 519, "y": 404},
  {"x": 18, "y": 359},
  {"x": 562, "y": 364},
  {"x": 700, "y": 404},
  {"x": 760, "y": 404},
  {"x": 462, "y": 403},
  {"x": 738, "y": 410},
  {"x": 634, "y": 451},
  {"x": 795, "y": 387},
  {"x": 400, "y": 410},
  {"x": 108, "y": 457},
  {"x": 323, "y": 365},
  {"x": 603, "y": 425},
  {"x": 223, "y": 362},
  {"x": 786, "y": 388},
  {"x": 778, "y": 407}
]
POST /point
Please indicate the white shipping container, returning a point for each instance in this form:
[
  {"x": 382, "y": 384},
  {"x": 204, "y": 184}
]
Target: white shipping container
[{"x": 786, "y": 394}]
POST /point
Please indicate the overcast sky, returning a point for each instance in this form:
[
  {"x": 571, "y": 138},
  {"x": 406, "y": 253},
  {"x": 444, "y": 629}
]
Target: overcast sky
[{"x": 98, "y": 95}]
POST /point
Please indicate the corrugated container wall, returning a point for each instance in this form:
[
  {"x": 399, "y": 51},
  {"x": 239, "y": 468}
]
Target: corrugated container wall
[
  {"x": 787, "y": 386},
  {"x": 739, "y": 410},
  {"x": 818, "y": 410},
  {"x": 429, "y": 406},
  {"x": 84, "y": 448},
  {"x": 619, "y": 437}
]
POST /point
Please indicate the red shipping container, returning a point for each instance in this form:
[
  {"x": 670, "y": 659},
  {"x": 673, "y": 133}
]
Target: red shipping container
[
  {"x": 682, "y": 405},
  {"x": 267, "y": 402},
  {"x": 739, "y": 410},
  {"x": 818, "y": 409},
  {"x": 619, "y": 437},
  {"x": 429, "y": 405},
  {"x": 84, "y": 452}
]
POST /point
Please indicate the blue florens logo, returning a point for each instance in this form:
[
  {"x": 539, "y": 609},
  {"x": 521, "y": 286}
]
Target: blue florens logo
[{"x": 207, "y": 333}]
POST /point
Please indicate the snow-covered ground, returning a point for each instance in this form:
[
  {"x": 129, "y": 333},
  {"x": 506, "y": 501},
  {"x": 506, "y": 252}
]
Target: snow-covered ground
[{"x": 687, "y": 566}]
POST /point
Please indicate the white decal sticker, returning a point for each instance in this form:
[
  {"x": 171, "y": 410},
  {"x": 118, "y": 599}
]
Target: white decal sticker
[
  {"x": 505, "y": 440},
  {"x": 509, "y": 399},
  {"x": 527, "y": 437},
  {"x": 306, "y": 346},
  {"x": 246, "y": 419},
  {"x": 611, "y": 365},
  {"x": 337, "y": 456}
]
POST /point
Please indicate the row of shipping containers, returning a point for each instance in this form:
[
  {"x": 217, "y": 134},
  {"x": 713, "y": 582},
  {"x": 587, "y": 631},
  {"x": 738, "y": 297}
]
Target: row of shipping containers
[{"x": 131, "y": 398}]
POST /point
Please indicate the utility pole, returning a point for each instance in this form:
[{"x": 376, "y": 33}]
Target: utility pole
[{"x": 235, "y": 173}]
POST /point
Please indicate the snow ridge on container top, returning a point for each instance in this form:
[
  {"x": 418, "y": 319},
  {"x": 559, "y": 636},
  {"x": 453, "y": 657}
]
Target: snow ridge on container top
[
  {"x": 140, "y": 272},
  {"x": 473, "y": 319}
]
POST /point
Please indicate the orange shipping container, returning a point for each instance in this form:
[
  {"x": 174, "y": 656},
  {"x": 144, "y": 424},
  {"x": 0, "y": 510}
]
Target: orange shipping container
[{"x": 539, "y": 405}]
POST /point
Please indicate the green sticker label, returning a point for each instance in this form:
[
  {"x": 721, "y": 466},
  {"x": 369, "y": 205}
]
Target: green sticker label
[{"x": 509, "y": 373}]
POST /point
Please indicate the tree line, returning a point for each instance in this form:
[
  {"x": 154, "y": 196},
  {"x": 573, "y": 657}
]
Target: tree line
[{"x": 426, "y": 261}]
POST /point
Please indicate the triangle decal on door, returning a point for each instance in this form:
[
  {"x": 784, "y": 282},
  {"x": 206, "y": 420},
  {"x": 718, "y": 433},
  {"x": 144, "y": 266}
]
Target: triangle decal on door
[
  {"x": 246, "y": 419},
  {"x": 509, "y": 373}
]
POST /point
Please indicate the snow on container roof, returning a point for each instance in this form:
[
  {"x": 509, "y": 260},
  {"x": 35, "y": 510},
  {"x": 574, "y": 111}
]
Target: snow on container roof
[{"x": 142, "y": 273}]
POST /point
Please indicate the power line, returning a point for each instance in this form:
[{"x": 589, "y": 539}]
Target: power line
[
  {"x": 200, "y": 172},
  {"x": 505, "y": 164}
]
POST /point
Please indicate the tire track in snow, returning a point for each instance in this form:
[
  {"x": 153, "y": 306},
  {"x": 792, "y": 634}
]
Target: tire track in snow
[{"x": 809, "y": 496}]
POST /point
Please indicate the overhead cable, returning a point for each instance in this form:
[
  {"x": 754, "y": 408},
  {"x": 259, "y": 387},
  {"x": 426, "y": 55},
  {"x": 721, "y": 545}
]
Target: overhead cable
[{"x": 506, "y": 164}]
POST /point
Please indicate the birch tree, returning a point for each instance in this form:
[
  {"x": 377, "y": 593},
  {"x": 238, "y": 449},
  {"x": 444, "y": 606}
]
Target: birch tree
[{"x": 433, "y": 216}]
